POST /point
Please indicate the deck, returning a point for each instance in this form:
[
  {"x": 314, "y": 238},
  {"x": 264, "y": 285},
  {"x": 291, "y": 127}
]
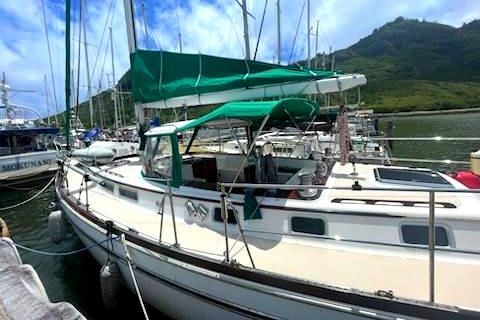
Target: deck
[{"x": 405, "y": 273}]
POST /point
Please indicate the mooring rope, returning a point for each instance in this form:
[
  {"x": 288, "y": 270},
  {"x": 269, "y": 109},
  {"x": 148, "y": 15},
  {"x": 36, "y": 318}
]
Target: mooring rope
[
  {"x": 137, "y": 289},
  {"x": 31, "y": 198},
  {"x": 60, "y": 253}
]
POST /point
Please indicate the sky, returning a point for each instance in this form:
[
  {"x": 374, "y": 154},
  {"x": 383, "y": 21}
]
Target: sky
[{"x": 206, "y": 26}]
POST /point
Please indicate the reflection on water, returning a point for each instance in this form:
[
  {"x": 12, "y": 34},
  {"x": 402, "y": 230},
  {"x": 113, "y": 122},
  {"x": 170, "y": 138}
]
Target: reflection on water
[
  {"x": 76, "y": 278},
  {"x": 452, "y": 125}
]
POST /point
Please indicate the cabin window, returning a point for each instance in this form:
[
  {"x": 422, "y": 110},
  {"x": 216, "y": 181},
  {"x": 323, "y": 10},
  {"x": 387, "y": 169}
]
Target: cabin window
[
  {"x": 214, "y": 140},
  {"x": 217, "y": 216},
  {"x": 308, "y": 225},
  {"x": 4, "y": 145},
  {"x": 127, "y": 193},
  {"x": 414, "y": 177},
  {"x": 108, "y": 186},
  {"x": 418, "y": 234},
  {"x": 158, "y": 157}
]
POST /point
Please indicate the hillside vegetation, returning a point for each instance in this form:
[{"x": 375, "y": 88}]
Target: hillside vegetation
[
  {"x": 410, "y": 65},
  {"x": 417, "y": 65}
]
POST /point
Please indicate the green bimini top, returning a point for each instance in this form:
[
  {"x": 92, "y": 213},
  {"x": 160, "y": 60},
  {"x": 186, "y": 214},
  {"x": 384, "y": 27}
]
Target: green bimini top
[
  {"x": 251, "y": 113},
  {"x": 161, "y": 75}
]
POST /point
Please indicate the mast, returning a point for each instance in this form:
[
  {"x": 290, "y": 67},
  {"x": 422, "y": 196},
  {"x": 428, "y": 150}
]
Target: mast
[
  {"x": 132, "y": 47},
  {"x": 67, "y": 72},
  {"x": 279, "y": 38},
  {"x": 309, "y": 63},
  {"x": 89, "y": 86},
  {"x": 115, "y": 106},
  {"x": 245, "y": 29},
  {"x": 333, "y": 62},
  {"x": 76, "y": 100},
  {"x": 74, "y": 105},
  {"x": 316, "y": 47},
  {"x": 46, "y": 99},
  {"x": 50, "y": 59},
  {"x": 329, "y": 54},
  {"x": 122, "y": 106},
  {"x": 4, "y": 96},
  {"x": 100, "y": 104},
  {"x": 180, "y": 39},
  {"x": 130, "y": 22}
]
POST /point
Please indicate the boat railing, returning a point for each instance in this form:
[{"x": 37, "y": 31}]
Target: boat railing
[
  {"x": 387, "y": 142},
  {"x": 431, "y": 192}
]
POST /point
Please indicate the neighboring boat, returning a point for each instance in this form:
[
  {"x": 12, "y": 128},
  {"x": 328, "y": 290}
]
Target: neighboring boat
[
  {"x": 297, "y": 144},
  {"x": 104, "y": 152},
  {"x": 25, "y": 155},
  {"x": 26, "y": 149},
  {"x": 274, "y": 246}
]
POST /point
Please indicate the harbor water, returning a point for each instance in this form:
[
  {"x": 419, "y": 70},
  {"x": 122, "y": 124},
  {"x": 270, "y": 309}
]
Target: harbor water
[
  {"x": 447, "y": 125},
  {"x": 75, "y": 278}
]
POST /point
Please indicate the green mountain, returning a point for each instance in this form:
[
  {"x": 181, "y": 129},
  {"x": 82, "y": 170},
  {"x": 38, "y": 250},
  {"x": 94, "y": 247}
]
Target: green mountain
[
  {"x": 409, "y": 64},
  {"x": 417, "y": 65}
]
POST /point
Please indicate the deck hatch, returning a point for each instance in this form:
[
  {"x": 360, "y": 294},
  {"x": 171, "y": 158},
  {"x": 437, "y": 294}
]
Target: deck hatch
[{"x": 415, "y": 177}]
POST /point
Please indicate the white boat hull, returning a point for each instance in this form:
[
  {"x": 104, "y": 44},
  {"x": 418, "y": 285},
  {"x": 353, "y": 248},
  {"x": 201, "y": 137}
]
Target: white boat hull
[
  {"x": 27, "y": 165},
  {"x": 185, "y": 291}
]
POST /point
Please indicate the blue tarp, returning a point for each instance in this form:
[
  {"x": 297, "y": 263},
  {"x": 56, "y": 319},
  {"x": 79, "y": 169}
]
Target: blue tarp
[{"x": 92, "y": 134}]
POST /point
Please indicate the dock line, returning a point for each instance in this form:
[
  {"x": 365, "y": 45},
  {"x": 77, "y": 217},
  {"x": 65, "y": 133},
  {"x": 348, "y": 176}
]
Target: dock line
[
  {"x": 31, "y": 198},
  {"x": 61, "y": 253}
]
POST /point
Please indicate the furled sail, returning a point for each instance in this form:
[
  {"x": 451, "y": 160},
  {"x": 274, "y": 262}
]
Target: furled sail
[{"x": 166, "y": 76}]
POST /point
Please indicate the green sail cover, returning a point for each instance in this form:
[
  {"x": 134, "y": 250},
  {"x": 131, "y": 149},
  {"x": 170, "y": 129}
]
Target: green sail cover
[
  {"x": 279, "y": 112},
  {"x": 160, "y": 75}
]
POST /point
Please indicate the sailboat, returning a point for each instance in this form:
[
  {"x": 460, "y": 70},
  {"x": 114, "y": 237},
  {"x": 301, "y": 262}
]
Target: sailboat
[
  {"x": 236, "y": 236},
  {"x": 26, "y": 148},
  {"x": 276, "y": 246}
]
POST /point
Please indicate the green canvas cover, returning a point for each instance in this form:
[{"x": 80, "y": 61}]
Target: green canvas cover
[
  {"x": 160, "y": 75},
  {"x": 280, "y": 112}
]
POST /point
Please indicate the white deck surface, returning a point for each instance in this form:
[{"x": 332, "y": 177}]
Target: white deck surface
[{"x": 457, "y": 281}]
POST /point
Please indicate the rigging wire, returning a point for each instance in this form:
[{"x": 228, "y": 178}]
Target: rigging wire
[
  {"x": 260, "y": 32},
  {"x": 50, "y": 57},
  {"x": 145, "y": 25},
  {"x": 104, "y": 62},
  {"x": 110, "y": 10},
  {"x": 296, "y": 33}
]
